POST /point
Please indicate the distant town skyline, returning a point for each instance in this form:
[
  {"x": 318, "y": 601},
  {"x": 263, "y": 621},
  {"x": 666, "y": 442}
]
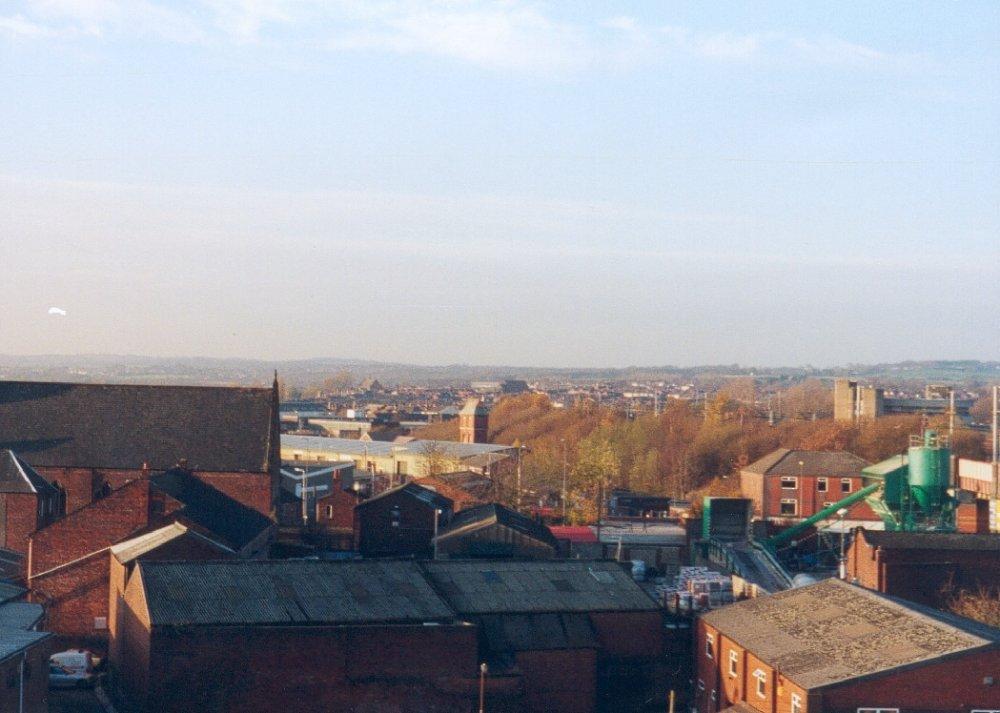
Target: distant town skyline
[{"x": 532, "y": 183}]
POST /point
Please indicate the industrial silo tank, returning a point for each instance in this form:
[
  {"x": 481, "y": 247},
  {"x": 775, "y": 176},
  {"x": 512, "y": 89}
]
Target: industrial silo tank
[{"x": 929, "y": 472}]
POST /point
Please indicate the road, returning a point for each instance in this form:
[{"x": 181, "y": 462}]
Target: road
[{"x": 74, "y": 702}]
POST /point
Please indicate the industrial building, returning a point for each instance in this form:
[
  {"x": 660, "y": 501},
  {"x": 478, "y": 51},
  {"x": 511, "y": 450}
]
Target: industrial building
[
  {"x": 399, "y": 461},
  {"x": 494, "y": 531},
  {"x": 835, "y": 647},
  {"x": 400, "y": 522},
  {"x": 474, "y": 422},
  {"x": 853, "y": 402},
  {"x": 924, "y": 567},
  {"x": 90, "y": 439}
]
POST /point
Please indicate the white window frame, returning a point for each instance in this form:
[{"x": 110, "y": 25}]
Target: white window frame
[
  {"x": 824, "y": 482},
  {"x": 850, "y": 489},
  {"x": 878, "y": 710},
  {"x": 793, "y": 479},
  {"x": 701, "y": 686},
  {"x": 761, "y": 686},
  {"x": 329, "y": 511},
  {"x": 794, "y": 502},
  {"x": 709, "y": 643},
  {"x": 734, "y": 663},
  {"x": 796, "y": 703}
]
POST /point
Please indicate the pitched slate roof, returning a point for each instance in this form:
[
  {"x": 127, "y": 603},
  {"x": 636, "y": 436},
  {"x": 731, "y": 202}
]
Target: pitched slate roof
[
  {"x": 832, "y": 631},
  {"x": 232, "y": 523},
  {"x": 16, "y": 476},
  {"x": 537, "y": 632},
  {"x": 289, "y": 592},
  {"x": 417, "y": 492},
  {"x": 124, "y": 426},
  {"x": 505, "y": 587},
  {"x": 785, "y": 461},
  {"x": 488, "y": 514},
  {"x": 932, "y": 540}
]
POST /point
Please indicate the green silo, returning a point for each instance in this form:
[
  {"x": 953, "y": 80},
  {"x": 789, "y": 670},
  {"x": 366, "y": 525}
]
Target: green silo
[{"x": 930, "y": 475}]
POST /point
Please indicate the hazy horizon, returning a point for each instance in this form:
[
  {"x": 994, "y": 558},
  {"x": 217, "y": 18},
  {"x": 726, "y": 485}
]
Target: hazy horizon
[{"x": 494, "y": 183}]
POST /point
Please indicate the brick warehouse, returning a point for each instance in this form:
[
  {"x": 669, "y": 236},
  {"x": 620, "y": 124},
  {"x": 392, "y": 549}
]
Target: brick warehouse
[
  {"x": 92, "y": 438},
  {"x": 834, "y": 647},
  {"x": 924, "y": 567},
  {"x": 68, "y": 566},
  {"x": 220, "y": 637}
]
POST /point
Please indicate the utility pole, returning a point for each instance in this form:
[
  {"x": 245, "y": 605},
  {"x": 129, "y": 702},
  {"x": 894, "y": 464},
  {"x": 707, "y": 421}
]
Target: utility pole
[
  {"x": 951, "y": 414},
  {"x": 482, "y": 687},
  {"x": 564, "y": 479},
  {"x": 996, "y": 443}
]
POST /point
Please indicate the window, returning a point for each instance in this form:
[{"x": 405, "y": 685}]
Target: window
[
  {"x": 796, "y": 703},
  {"x": 845, "y": 485},
  {"x": 100, "y": 622},
  {"x": 329, "y": 512},
  {"x": 827, "y": 503},
  {"x": 789, "y": 506},
  {"x": 790, "y": 483},
  {"x": 821, "y": 485},
  {"x": 878, "y": 710},
  {"x": 734, "y": 662},
  {"x": 761, "y": 685},
  {"x": 709, "y": 643},
  {"x": 701, "y": 686}
]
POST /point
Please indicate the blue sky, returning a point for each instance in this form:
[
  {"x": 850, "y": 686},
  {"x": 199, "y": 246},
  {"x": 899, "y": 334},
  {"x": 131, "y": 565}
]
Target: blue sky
[{"x": 577, "y": 183}]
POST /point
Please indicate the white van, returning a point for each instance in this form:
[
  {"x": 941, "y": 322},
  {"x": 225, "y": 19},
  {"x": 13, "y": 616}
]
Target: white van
[{"x": 73, "y": 668}]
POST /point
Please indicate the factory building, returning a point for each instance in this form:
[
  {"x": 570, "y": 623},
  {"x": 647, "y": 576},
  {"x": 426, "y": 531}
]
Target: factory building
[
  {"x": 853, "y": 402},
  {"x": 834, "y": 647},
  {"x": 474, "y": 422},
  {"x": 924, "y": 567}
]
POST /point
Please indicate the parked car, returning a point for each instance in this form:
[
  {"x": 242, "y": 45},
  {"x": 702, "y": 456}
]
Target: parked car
[{"x": 72, "y": 669}]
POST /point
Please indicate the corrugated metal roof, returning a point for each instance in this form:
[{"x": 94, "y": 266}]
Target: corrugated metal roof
[
  {"x": 832, "y": 631},
  {"x": 20, "y": 615},
  {"x": 481, "y": 516},
  {"x": 289, "y": 592},
  {"x": 497, "y": 587},
  {"x": 14, "y": 641},
  {"x": 384, "y": 449},
  {"x": 9, "y": 590}
]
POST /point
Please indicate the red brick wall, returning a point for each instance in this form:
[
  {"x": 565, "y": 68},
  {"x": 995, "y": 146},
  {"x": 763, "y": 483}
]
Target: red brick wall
[
  {"x": 21, "y": 516},
  {"x": 922, "y": 575},
  {"x": 239, "y": 669},
  {"x": 810, "y": 500},
  {"x": 73, "y": 597},
  {"x": 953, "y": 685},
  {"x": 629, "y": 634},
  {"x": 559, "y": 681},
  {"x": 251, "y": 489},
  {"x": 342, "y": 503}
]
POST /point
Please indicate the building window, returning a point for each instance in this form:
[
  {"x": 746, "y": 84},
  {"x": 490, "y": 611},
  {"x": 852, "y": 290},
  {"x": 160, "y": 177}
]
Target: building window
[
  {"x": 790, "y": 483},
  {"x": 761, "y": 685},
  {"x": 329, "y": 512},
  {"x": 709, "y": 643},
  {"x": 789, "y": 506},
  {"x": 821, "y": 485},
  {"x": 879, "y": 710},
  {"x": 734, "y": 662},
  {"x": 701, "y": 686},
  {"x": 827, "y": 503},
  {"x": 796, "y": 703},
  {"x": 296, "y": 456},
  {"x": 845, "y": 485}
]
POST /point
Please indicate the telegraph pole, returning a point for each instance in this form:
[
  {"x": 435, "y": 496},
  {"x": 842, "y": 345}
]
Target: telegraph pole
[{"x": 564, "y": 479}]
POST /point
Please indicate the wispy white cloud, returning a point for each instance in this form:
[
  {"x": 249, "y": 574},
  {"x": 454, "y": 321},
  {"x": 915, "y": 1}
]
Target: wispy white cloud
[{"x": 514, "y": 35}]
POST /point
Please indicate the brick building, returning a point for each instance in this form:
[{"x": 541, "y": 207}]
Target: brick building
[
  {"x": 494, "y": 531},
  {"x": 92, "y": 438},
  {"x": 400, "y": 521},
  {"x": 791, "y": 485},
  {"x": 474, "y": 422},
  {"x": 582, "y": 635},
  {"x": 221, "y": 637},
  {"x": 68, "y": 565},
  {"x": 834, "y": 647},
  {"x": 27, "y": 502},
  {"x": 924, "y": 567},
  {"x": 465, "y": 488}
]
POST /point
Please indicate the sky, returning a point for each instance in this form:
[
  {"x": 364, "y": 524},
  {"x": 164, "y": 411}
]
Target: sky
[{"x": 517, "y": 182}]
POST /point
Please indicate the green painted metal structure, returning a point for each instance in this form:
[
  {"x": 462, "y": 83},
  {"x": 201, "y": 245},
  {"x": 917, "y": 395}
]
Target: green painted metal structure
[{"x": 791, "y": 533}]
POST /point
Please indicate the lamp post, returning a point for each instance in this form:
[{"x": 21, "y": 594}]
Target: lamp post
[
  {"x": 843, "y": 569},
  {"x": 437, "y": 518},
  {"x": 482, "y": 687}
]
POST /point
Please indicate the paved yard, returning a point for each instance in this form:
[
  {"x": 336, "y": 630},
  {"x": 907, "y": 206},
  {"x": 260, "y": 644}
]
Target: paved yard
[{"x": 74, "y": 702}]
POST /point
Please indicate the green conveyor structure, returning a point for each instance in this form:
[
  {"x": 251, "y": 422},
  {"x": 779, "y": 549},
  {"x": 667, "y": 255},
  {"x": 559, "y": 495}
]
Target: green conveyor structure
[{"x": 772, "y": 543}]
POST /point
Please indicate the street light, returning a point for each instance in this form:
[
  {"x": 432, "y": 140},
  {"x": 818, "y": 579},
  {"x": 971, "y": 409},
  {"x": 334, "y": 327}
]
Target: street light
[
  {"x": 843, "y": 569},
  {"x": 437, "y": 517},
  {"x": 482, "y": 687}
]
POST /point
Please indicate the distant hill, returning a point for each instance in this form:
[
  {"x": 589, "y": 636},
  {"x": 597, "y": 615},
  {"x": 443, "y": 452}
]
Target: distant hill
[{"x": 205, "y": 370}]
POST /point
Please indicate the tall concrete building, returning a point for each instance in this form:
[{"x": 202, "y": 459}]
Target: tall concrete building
[
  {"x": 852, "y": 402},
  {"x": 473, "y": 422}
]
